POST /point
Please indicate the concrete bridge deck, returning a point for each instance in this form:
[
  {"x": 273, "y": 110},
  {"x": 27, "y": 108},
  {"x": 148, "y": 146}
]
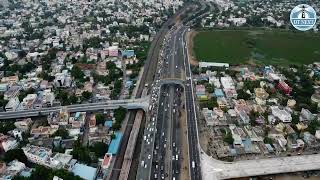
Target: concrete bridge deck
[{"x": 141, "y": 103}]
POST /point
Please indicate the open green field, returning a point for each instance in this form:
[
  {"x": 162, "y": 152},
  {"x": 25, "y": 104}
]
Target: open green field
[{"x": 258, "y": 46}]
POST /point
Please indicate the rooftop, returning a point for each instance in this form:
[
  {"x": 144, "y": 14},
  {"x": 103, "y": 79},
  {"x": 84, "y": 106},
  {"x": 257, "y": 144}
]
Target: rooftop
[{"x": 84, "y": 171}]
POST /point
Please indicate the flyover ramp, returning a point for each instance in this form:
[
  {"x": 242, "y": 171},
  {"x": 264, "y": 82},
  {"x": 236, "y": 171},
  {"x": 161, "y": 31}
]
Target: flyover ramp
[{"x": 213, "y": 169}]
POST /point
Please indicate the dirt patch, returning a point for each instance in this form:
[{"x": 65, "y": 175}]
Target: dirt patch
[
  {"x": 185, "y": 157},
  {"x": 190, "y": 35},
  {"x": 204, "y": 136}
]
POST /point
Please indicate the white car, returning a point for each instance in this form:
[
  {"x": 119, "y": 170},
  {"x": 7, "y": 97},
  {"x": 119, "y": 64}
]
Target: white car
[{"x": 149, "y": 156}]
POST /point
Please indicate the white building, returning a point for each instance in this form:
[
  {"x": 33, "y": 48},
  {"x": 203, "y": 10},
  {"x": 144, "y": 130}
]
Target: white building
[
  {"x": 208, "y": 116},
  {"x": 38, "y": 155},
  {"x": 27, "y": 102},
  {"x": 227, "y": 82},
  {"x": 12, "y": 169},
  {"x": 281, "y": 114},
  {"x": 13, "y": 104},
  {"x": 7, "y": 143}
]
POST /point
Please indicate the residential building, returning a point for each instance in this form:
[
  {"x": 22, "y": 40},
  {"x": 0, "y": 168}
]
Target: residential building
[
  {"x": 23, "y": 124},
  {"x": 44, "y": 130},
  {"x": 281, "y": 114},
  {"x": 10, "y": 79},
  {"x": 60, "y": 160},
  {"x": 222, "y": 102},
  {"x": 12, "y": 169},
  {"x": 284, "y": 87},
  {"x": 13, "y": 104},
  {"x": 37, "y": 154},
  {"x": 27, "y": 102},
  {"x": 208, "y": 116},
  {"x": 306, "y": 115},
  {"x": 113, "y": 51},
  {"x": 84, "y": 171},
  {"x": 200, "y": 90},
  {"x": 106, "y": 161},
  {"x": 260, "y": 96},
  {"x": 7, "y": 143},
  {"x": 218, "y": 92},
  {"x": 12, "y": 92},
  {"x": 3, "y": 87},
  {"x": 245, "y": 119}
]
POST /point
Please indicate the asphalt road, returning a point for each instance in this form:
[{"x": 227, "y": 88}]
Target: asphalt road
[
  {"x": 167, "y": 130},
  {"x": 193, "y": 143},
  {"x": 147, "y": 77},
  {"x": 167, "y": 148},
  {"x": 164, "y": 159}
]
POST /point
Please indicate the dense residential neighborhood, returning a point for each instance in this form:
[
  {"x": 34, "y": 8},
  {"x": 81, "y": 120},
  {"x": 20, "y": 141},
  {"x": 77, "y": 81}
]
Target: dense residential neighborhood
[
  {"x": 159, "y": 89},
  {"x": 251, "y": 111},
  {"x": 59, "y": 53},
  {"x": 243, "y": 13}
]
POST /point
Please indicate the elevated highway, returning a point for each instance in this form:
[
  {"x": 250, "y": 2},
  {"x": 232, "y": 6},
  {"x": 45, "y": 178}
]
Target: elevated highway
[
  {"x": 140, "y": 103},
  {"x": 174, "y": 81}
]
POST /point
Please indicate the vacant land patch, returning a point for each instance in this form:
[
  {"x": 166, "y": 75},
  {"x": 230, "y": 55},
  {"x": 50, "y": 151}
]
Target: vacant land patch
[{"x": 259, "y": 46}]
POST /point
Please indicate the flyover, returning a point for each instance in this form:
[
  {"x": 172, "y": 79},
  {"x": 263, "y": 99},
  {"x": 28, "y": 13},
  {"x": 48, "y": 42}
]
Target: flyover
[
  {"x": 140, "y": 103},
  {"x": 175, "y": 81},
  {"x": 213, "y": 169}
]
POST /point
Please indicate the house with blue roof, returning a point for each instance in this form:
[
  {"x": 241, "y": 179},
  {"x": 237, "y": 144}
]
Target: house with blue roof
[
  {"x": 128, "y": 84},
  {"x": 127, "y": 53},
  {"x": 115, "y": 143},
  {"x": 84, "y": 171},
  {"x": 108, "y": 124},
  {"x": 218, "y": 92}
]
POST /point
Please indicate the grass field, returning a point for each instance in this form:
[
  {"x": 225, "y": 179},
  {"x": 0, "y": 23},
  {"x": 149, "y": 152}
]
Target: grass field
[{"x": 258, "y": 46}]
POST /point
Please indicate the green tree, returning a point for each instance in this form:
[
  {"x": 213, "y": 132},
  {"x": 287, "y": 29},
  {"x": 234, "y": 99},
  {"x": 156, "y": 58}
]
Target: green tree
[
  {"x": 62, "y": 132},
  {"x": 81, "y": 153},
  {"x": 41, "y": 172},
  {"x": 99, "y": 148},
  {"x": 86, "y": 95},
  {"x": 243, "y": 95},
  {"x": 313, "y": 126},
  {"x": 99, "y": 118},
  {"x": 267, "y": 140},
  {"x": 73, "y": 99},
  {"x": 63, "y": 96},
  {"x": 209, "y": 88},
  {"x": 15, "y": 154},
  {"x": 6, "y": 126},
  {"x": 212, "y": 103},
  {"x": 228, "y": 138},
  {"x": 77, "y": 73},
  {"x": 251, "y": 85},
  {"x": 295, "y": 119},
  {"x": 23, "y": 94}
]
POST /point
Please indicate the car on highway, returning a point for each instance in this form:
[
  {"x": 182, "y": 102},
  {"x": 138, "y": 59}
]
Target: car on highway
[{"x": 149, "y": 156}]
